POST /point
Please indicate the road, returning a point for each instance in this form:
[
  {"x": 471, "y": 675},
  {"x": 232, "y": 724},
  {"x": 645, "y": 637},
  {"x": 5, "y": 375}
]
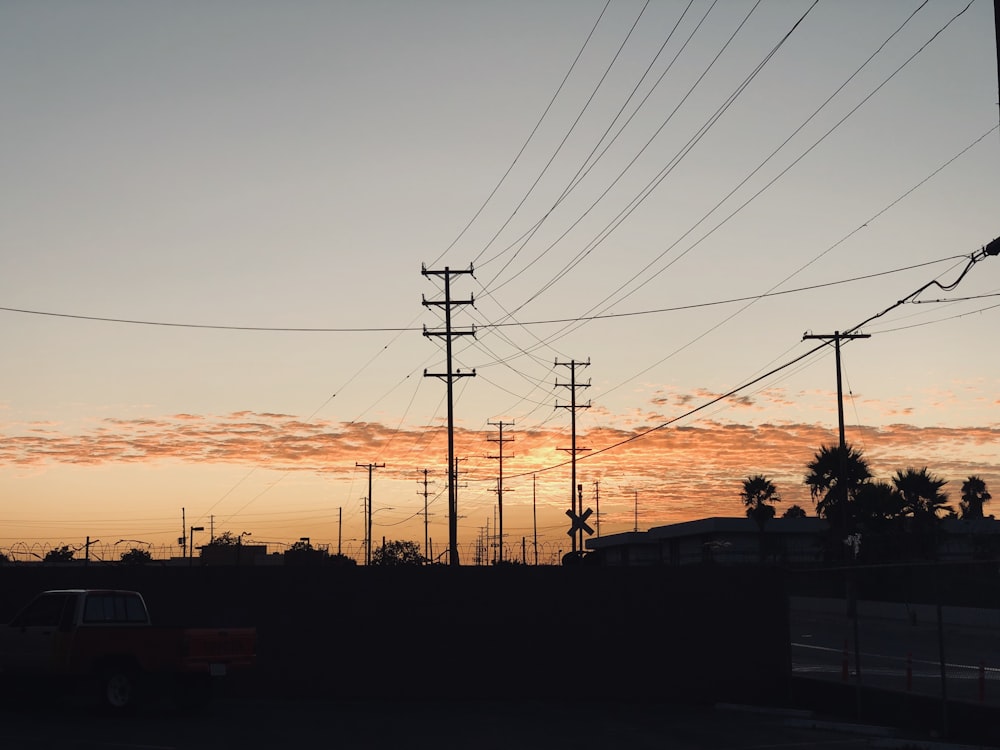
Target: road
[
  {"x": 898, "y": 653},
  {"x": 249, "y": 724}
]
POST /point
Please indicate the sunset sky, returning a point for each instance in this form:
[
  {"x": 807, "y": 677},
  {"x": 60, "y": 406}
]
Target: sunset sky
[{"x": 214, "y": 217}]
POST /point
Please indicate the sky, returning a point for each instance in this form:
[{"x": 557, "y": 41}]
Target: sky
[{"x": 224, "y": 228}]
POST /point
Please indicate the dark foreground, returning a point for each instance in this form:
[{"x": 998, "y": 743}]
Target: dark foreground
[{"x": 248, "y": 724}]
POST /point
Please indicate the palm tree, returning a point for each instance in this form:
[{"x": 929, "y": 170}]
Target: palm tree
[
  {"x": 833, "y": 501},
  {"x": 758, "y": 495},
  {"x": 923, "y": 501},
  {"x": 974, "y": 497},
  {"x": 879, "y": 513},
  {"x": 921, "y": 493}
]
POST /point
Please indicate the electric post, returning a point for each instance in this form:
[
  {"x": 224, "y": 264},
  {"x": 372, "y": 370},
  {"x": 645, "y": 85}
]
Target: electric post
[
  {"x": 500, "y": 440},
  {"x": 449, "y": 377},
  {"x": 427, "y": 545},
  {"x": 842, "y": 489},
  {"x": 573, "y": 450},
  {"x": 368, "y": 546}
]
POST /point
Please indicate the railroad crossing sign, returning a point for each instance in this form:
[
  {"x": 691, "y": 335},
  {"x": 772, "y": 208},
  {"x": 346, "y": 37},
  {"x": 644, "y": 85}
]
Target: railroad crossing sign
[{"x": 579, "y": 522}]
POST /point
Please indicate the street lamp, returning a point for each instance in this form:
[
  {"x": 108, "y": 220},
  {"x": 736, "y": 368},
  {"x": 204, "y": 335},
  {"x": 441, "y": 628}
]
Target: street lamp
[{"x": 191, "y": 537}]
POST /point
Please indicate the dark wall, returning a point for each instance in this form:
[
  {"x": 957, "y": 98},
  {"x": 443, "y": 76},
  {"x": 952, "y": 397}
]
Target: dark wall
[{"x": 699, "y": 634}]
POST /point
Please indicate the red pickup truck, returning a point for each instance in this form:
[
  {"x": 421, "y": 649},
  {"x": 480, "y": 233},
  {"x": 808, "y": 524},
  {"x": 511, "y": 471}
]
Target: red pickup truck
[{"x": 105, "y": 638}]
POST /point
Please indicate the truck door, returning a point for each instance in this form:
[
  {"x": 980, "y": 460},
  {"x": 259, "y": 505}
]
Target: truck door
[{"x": 32, "y": 634}]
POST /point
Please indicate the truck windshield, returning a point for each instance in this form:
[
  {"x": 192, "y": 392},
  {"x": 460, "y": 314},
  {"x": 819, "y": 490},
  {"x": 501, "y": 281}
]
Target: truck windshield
[{"x": 114, "y": 607}]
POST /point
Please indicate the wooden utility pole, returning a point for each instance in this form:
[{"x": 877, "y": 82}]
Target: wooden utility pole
[
  {"x": 500, "y": 440},
  {"x": 534, "y": 511},
  {"x": 842, "y": 490},
  {"x": 449, "y": 376},
  {"x": 836, "y": 337},
  {"x": 573, "y": 449},
  {"x": 597, "y": 503},
  {"x": 427, "y": 544},
  {"x": 368, "y": 545}
]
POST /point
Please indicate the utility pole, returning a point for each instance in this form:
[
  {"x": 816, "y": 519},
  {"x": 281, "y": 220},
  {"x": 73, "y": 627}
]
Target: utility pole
[
  {"x": 183, "y": 539},
  {"x": 449, "y": 376},
  {"x": 500, "y": 440},
  {"x": 427, "y": 545},
  {"x": 340, "y": 528},
  {"x": 534, "y": 511},
  {"x": 597, "y": 502},
  {"x": 836, "y": 337},
  {"x": 368, "y": 546},
  {"x": 842, "y": 490},
  {"x": 573, "y": 450}
]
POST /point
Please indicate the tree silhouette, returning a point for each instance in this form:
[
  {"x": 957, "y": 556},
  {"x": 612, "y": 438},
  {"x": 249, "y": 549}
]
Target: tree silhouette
[
  {"x": 757, "y": 495},
  {"x": 924, "y": 503},
  {"x": 974, "y": 497},
  {"x": 921, "y": 494},
  {"x": 398, "y": 554},
  {"x": 225, "y": 539},
  {"x": 879, "y": 512},
  {"x": 794, "y": 511},
  {"x": 833, "y": 502},
  {"x": 59, "y": 554},
  {"x": 136, "y": 556}
]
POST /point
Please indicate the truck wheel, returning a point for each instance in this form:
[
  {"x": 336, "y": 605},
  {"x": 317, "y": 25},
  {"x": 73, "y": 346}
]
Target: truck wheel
[{"x": 119, "y": 688}]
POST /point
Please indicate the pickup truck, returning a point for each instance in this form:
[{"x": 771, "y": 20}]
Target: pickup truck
[{"x": 104, "y": 639}]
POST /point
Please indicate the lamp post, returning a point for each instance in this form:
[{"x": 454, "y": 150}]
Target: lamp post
[{"x": 194, "y": 529}]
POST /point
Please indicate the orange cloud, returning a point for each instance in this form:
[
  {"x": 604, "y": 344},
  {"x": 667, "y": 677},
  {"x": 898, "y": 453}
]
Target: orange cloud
[{"x": 677, "y": 472}]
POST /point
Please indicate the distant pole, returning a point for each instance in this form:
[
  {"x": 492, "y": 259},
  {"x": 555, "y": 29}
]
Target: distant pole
[
  {"x": 371, "y": 468},
  {"x": 449, "y": 376},
  {"x": 852, "y": 594},
  {"x": 573, "y": 450},
  {"x": 597, "y": 502},
  {"x": 636, "y": 509},
  {"x": 184, "y": 541},
  {"x": 836, "y": 337},
  {"x": 534, "y": 507},
  {"x": 340, "y": 527},
  {"x": 427, "y": 544},
  {"x": 500, "y": 441}
]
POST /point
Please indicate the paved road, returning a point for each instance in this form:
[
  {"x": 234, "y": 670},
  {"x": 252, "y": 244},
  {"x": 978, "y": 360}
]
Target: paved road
[
  {"x": 250, "y": 724},
  {"x": 898, "y": 654}
]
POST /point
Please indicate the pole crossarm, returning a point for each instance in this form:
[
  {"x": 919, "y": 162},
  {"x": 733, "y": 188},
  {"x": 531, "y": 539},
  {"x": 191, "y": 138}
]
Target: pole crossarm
[
  {"x": 500, "y": 440},
  {"x": 573, "y": 407},
  {"x": 449, "y": 334},
  {"x": 368, "y": 503}
]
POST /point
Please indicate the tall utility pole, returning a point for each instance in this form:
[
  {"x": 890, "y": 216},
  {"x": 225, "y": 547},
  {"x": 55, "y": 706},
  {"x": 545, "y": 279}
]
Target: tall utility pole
[
  {"x": 851, "y": 593},
  {"x": 836, "y": 337},
  {"x": 500, "y": 440},
  {"x": 573, "y": 450},
  {"x": 449, "y": 376},
  {"x": 368, "y": 545},
  {"x": 427, "y": 544},
  {"x": 534, "y": 511},
  {"x": 597, "y": 502}
]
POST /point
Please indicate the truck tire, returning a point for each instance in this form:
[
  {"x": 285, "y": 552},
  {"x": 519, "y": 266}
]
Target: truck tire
[{"x": 119, "y": 688}]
